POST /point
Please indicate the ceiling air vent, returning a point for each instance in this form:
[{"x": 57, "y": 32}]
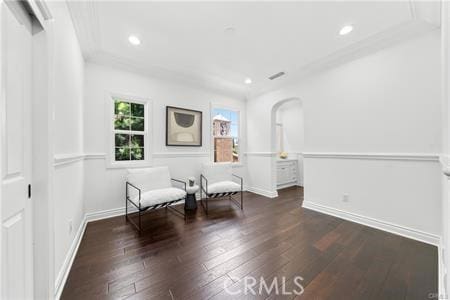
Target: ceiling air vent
[{"x": 275, "y": 76}]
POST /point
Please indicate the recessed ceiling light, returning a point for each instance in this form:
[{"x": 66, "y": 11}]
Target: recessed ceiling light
[
  {"x": 230, "y": 30},
  {"x": 134, "y": 40},
  {"x": 346, "y": 30},
  {"x": 248, "y": 80}
]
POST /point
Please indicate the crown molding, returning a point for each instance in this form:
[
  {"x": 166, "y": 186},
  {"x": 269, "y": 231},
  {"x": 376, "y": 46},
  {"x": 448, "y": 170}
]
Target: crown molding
[
  {"x": 425, "y": 17},
  {"x": 372, "y": 44},
  {"x": 87, "y": 25},
  {"x": 428, "y": 11},
  {"x": 209, "y": 82},
  {"x": 40, "y": 10},
  {"x": 86, "y": 21}
]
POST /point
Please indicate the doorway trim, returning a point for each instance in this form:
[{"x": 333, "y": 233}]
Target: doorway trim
[{"x": 273, "y": 147}]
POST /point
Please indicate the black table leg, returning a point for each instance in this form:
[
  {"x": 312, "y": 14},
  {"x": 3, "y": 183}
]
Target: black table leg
[{"x": 191, "y": 202}]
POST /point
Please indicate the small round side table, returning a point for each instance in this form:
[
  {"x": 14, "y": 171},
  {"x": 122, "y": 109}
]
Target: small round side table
[{"x": 191, "y": 201}]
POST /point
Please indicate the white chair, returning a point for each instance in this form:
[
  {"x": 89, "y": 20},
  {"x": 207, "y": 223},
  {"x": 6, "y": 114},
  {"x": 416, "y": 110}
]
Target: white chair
[
  {"x": 216, "y": 181},
  {"x": 151, "y": 188}
]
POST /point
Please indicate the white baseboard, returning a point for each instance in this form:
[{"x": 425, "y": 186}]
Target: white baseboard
[
  {"x": 395, "y": 229},
  {"x": 105, "y": 214},
  {"x": 89, "y": 217},
  {"x": 70, "y": 257},
  {"x": 67, "y": 265},
  {"x": 375, "y": 223},
  {"x": 265, "y": 193},
  {"x": 286, "y": 185}
]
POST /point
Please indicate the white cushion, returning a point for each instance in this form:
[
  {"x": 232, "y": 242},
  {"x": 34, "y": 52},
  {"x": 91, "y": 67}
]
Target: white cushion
[
  {"x": 223, "y": 187},
  {"x": 217, "y": 172},
  {"x": 148, "y": 179},
  {"x": 159, "y": 196}
]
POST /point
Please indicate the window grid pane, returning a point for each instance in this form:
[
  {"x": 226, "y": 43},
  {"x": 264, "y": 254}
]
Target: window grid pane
[
  {"x": 122, "y": 140},
  {"x": 122, "y": 153},
  {"x": 226, "y": 135},
  {"x": 129, "y": 125},
  {"x": 137, "y": 110},
  {"x": 137, "y": 153}
]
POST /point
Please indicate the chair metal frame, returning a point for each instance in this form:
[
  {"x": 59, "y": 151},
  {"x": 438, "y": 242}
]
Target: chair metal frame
[
  {"x": 204, "y": 189},
  {"x": 141, "y": 209}
]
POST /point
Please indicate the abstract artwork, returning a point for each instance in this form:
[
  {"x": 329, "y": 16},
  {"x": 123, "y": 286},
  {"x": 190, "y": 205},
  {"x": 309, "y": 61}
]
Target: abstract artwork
[{"x": 183, "y": 127}]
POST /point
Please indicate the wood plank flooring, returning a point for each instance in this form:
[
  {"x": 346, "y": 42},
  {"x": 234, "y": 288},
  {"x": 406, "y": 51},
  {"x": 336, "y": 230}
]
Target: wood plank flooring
[{"x": 271, "y": 238}]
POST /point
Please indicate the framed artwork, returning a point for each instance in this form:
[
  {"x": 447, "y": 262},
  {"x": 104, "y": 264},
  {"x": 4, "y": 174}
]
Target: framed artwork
[{"x": 183, "y": 127}]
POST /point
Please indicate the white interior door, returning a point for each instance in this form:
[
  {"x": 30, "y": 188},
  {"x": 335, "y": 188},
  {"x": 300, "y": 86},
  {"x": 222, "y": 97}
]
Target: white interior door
[{"x": 16, "y": 213}]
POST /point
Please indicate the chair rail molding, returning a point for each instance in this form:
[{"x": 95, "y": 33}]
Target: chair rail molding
[
  {"x": 88, "y": 156},
  {"x": 263, "y": 154},
  {"x": 62, "y": 159},
  {"x": 179, "y": 154},
  {"x": 65, "y": 159},
  {"x": 445, "y": 164},
  {"x": 374, "y": 156}
]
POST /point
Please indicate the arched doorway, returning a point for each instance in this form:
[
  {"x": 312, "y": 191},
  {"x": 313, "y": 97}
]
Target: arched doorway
[{"x": 287, "y": 135}]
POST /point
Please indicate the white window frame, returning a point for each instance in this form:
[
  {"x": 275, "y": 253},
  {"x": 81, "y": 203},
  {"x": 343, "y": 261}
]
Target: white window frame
[
  {"x": 110, "y": 147},
  {"x": 211, "y": 131}
]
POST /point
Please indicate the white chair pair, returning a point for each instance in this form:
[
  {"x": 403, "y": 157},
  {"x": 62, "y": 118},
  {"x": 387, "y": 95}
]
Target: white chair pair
[{"x": 151, "y": 188}]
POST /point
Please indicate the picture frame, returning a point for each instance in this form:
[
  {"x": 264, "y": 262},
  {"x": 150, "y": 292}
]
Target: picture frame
[{"x": 184, "y": 127}]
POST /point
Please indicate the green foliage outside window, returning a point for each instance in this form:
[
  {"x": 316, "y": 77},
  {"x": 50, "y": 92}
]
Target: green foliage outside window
[{"x": 129, "y": 116}]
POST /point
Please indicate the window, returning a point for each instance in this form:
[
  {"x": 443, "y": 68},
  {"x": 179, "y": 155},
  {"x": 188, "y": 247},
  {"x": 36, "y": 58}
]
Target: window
[
  {"x": 129, "y": 131},
  {"x": 225, "y": 124}
]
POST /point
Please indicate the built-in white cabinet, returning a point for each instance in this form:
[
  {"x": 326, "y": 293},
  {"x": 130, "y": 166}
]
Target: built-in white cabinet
[{"x": 287, "y": 173}]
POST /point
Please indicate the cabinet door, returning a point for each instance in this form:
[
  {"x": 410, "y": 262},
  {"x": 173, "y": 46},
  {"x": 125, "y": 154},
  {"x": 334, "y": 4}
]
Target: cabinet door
[
  {"x": 283, "y": 174},
  {"x": 279, "y": 175}
]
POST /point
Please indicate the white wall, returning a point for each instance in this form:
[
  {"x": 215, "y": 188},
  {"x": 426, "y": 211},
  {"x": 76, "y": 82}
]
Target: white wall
[
  {"x": 67, "y": 95},
  {"x": 444, "y": 255},
  {"x": 385, "y": 102},
  {"x": 290, "y": 114},
  {"x": 42, "y": 167},
  {"x": 104, "y": 187}
]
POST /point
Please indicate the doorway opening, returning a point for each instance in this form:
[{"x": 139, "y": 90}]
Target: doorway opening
[{"x": 287, "y": 143}]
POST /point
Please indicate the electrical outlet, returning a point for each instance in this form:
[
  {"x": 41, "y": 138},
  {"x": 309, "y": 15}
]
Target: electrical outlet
[
  {"x": 70, "y": 226},
  {"x": 345, "y": 197}
]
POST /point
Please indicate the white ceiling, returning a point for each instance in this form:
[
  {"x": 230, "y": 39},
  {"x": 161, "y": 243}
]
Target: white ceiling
[{"x": 187, "y": 41}]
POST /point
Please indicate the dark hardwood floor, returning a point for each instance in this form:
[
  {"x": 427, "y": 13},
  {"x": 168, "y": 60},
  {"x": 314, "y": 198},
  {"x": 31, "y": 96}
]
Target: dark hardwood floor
[{"x": 271, "y": 238}]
